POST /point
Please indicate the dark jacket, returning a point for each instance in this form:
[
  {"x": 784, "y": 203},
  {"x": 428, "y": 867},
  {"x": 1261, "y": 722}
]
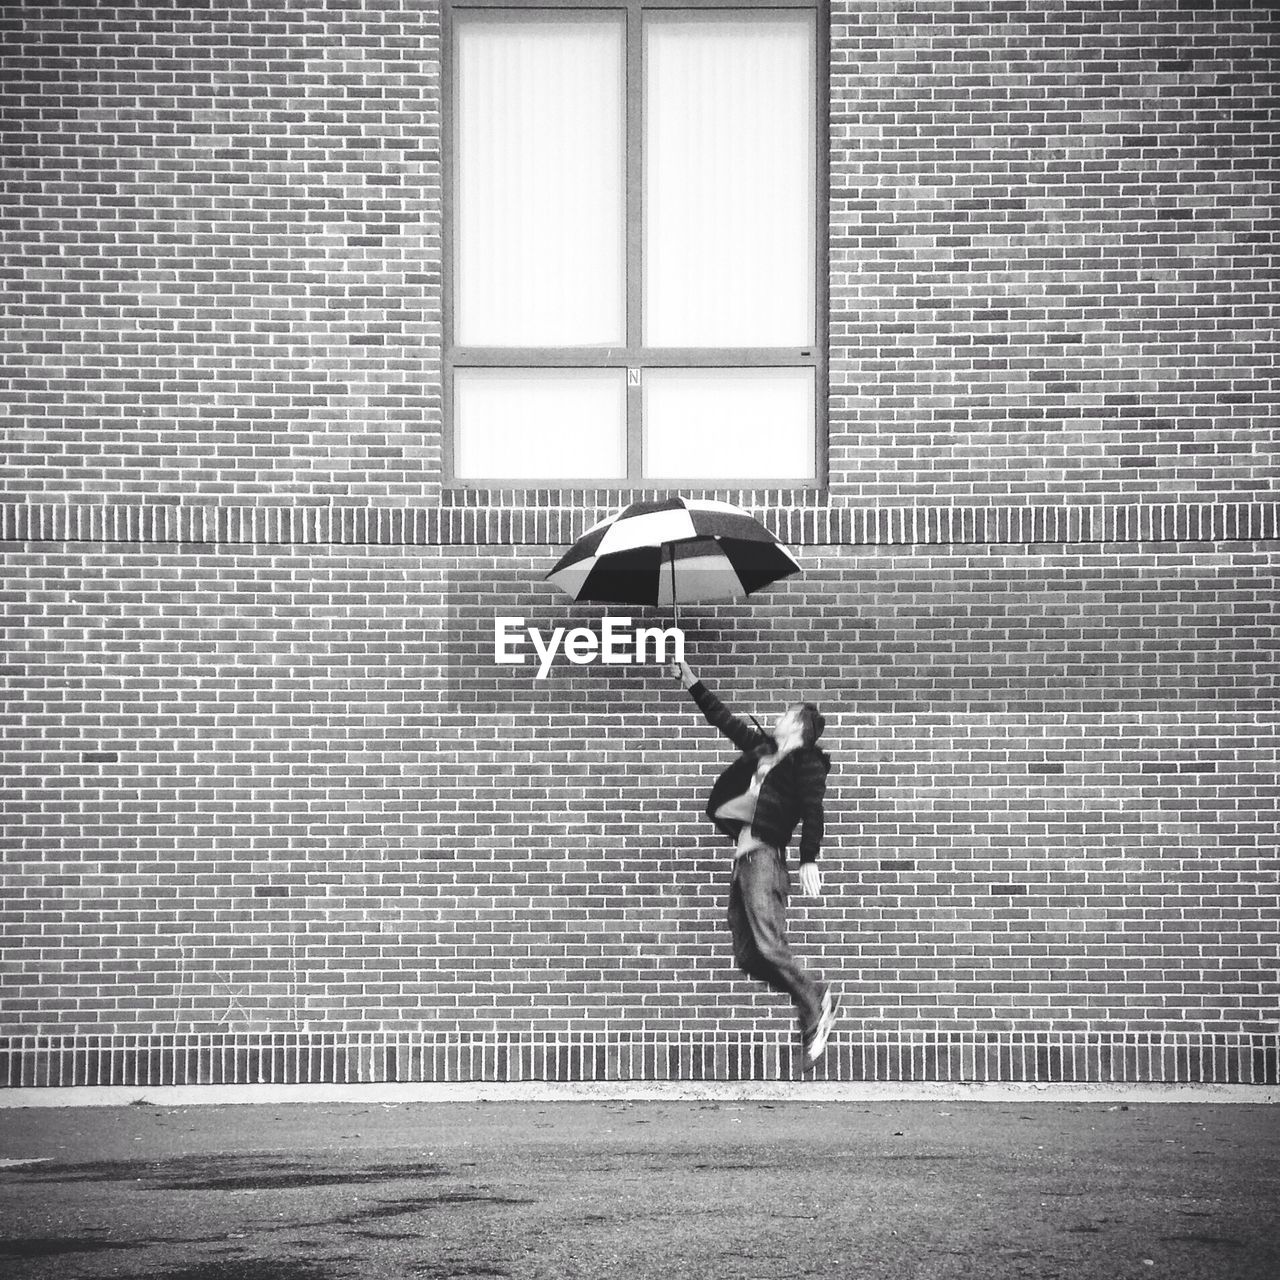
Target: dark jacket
[{"x": 792, "y": 790}]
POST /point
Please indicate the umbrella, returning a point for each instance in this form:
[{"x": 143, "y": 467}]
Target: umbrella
[{"x": 673, "y": 550}]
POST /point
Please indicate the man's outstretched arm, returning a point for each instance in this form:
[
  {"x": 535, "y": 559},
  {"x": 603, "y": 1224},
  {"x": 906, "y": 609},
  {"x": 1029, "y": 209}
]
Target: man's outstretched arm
[{"x": 743, "y": 735}]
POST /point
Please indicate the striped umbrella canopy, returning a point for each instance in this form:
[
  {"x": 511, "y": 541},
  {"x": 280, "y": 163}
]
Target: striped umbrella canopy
[{"x": 672, "y": 552}]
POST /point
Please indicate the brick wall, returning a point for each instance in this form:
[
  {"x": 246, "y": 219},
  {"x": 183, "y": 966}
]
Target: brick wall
[
  {"x": 1053, "y": 251},
  {"x": 287, "y": 790},
  {"x": 221, "y": 261},
  {"x": 270, "y": 810},
  {"x": 1053, "y": 241}
]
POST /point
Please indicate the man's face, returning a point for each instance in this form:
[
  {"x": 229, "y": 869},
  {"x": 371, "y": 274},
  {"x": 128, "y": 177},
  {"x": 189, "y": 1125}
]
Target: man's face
[{"x": 790, "y": 724}]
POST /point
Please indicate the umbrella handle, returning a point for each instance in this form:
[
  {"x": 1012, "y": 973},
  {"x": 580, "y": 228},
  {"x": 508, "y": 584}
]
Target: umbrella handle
[{"x": 675, "y": 604}]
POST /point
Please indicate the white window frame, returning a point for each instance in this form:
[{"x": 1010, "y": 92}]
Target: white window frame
[{"x": 634, "y": 356}]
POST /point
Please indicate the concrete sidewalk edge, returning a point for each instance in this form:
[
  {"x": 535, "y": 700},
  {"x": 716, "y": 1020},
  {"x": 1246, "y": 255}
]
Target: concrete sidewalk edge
[{"x": 632, "y": 1091}]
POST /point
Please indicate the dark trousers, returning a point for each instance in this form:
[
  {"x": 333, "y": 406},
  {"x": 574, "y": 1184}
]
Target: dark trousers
[{"x": 758, "y": 919}]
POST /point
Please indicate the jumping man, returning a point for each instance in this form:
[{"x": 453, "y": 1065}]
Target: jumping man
[{"x": 777, "y": 782}]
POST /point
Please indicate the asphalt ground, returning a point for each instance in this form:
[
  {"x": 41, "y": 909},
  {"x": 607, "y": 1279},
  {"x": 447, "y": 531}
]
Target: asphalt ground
[{"x": 747, "y": 1190}]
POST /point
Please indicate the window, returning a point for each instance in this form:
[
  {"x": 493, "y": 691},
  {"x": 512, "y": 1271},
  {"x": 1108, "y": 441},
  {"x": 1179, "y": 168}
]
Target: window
[{"x": 633, "y": 293}]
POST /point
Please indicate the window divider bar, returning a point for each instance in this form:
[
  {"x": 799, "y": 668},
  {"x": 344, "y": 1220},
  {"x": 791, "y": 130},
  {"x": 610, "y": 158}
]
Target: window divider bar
[
  {"x": 622, "y": 358},
  {"x": 606, "y": 5},
  {"x": 634, "y": 54}
]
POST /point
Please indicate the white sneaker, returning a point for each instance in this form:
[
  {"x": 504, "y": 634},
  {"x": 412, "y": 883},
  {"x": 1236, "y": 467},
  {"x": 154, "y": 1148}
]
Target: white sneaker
[{"x": 816, "y": 1042}]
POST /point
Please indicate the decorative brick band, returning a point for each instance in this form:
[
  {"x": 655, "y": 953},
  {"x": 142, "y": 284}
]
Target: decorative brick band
[
  {"x": 428, "y": 1057},
  {"x": 558, "y": 526}
]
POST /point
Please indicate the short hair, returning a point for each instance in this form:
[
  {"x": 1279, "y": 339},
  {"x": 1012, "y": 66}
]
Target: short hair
[{"x": 812, "y": 721}]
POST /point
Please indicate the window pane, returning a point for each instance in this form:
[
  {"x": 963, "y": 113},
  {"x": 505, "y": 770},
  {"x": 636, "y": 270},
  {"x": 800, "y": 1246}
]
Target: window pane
[
  {"x": 729, "y": 181},
  {"x": 539, "y": 222},
  {"x": 540, "y": 424},
  {"x": 729, "y": 424}
]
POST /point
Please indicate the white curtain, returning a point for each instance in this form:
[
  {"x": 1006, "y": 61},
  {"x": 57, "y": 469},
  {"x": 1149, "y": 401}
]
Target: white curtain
[
  {"x": 739, "y": 424},
  {"x": 729, "y": 180},
  {"x": 539, "y": 217},
  {"x": 539, "y": 424}
]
